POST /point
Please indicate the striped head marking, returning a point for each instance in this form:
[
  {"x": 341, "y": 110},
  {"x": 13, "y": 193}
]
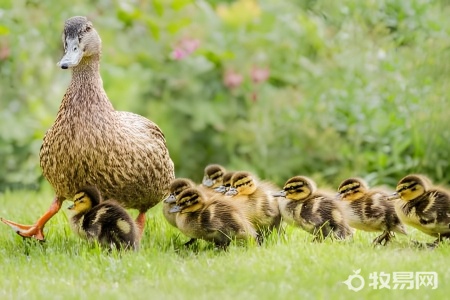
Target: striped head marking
[
  {"x": 189, "y": 200},
  {"x": 412, "y": 187},
  {"x": 299, "y": 188},
  {"x": 352, "y": 189},
  {"x": 213, "y": 176},
  {"x": 244, "y": 183}
]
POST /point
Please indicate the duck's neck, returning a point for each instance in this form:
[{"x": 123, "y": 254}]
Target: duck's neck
[{"x": 85, "y": 91}]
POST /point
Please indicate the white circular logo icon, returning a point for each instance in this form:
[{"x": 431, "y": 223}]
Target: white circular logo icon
[{"x": 357, "y": 277}]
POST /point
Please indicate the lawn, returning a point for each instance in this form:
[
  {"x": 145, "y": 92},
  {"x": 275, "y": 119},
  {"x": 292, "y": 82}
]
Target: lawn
[{"x": 289, "y": 266}]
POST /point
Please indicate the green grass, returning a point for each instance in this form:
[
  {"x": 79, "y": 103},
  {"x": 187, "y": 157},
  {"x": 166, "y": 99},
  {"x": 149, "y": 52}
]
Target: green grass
[{"x": 285, "y": 267}]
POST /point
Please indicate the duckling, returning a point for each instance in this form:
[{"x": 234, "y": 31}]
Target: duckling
[
  {"x": 122, "y": 153},
  {"x": 214, "y": 221},
  {"x": 369, "y": 210},
  {"x": 226, "y": 183},
  {"x": 175, "y": 188},
  {"x": 302, "y": 205},
  {"x": 256, "y": 200},
  {"x": 213, "y": 176},
  {"x": 423, "y": 206},
  {"x": 105, "y": 221}
]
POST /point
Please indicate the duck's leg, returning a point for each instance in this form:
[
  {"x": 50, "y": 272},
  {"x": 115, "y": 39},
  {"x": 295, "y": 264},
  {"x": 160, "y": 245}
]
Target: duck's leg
[
  {"x": 140, "y": 222},
  {"x": 36, "y": 230}
]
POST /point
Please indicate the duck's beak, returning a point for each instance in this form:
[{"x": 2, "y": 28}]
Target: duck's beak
[
  {"x": 175, "y": 209},
  {"x": 221, "y": 189},
  {"x": 281, "y": 193},
  {"x": 73, "y": 54},
  {"x": 170, "y": 199},
  {"x": 207, "y": 182},
  {"x": 231, "y": 192}
]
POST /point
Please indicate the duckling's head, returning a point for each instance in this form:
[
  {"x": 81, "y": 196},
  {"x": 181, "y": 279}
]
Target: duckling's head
[
  {"x": 176, "y": 187},
  {"x": 297, "y": 188},
  {"x": 242, "y": 183},
  {"x": 213, "y": 176},
  {"x": 412, "y": 186},
  {"x": 80, "y": 40},
  {"x": 352, "y": 189},
  {"x": 226, "y": 182},
  {"x": 86, "y": 198},
  {"x": 189, "y": 200}
]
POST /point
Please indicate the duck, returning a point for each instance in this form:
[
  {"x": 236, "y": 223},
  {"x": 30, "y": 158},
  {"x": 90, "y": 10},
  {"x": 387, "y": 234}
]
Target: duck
[
  {"x": 422, "y": 205},
  {"x": 226, "y": 182},
  {"x": 215, "y": 221},
  {"x": 303, "y": 205},
  {"x": 213, "y": 175},
  {"x": 256, "y": 200},
  {"x": 90, "y": 143},
  {"x": 104, "y": 221},
  {"x": 369, "y": 209}
]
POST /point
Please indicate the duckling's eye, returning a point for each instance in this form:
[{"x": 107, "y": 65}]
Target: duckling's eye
[{"x": 88, "y": 28}]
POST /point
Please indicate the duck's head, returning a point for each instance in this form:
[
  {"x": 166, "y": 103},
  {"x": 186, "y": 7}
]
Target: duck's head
[
  {"x": 86, "y": 198},
  {"x": 352, "y": 189},
  {"x": 412, "y": 186},
  {"x": 226, "y": 183},
  {"x": 297, "y": 188},
  {"x": 80, "y": 40},
  {"x": 213, "y": 176},
  {"x": 176, "y": 187},
  {"x": 189, "y": 200},
  {"x": 242, "y": 183}
]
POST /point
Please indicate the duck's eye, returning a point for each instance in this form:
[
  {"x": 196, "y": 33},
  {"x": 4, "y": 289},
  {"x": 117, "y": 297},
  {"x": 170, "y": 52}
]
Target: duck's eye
[
  {"x": 75, "y": 48},
  {"x": 88, "y": 28}
]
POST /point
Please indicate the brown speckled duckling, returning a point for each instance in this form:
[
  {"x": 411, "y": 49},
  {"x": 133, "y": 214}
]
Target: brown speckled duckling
[
  {"x": 369, "y": 209},
  {"x": 105, "y": 221},
  {"x": 302, "y": 205},
  {"x": 424, "y": 206}
]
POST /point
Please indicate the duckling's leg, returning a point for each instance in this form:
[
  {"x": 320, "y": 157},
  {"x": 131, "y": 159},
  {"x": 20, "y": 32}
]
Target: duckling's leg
[
  {"x": 384, "y": 237},
  {"x": 36, "y": 230},
  {"x": 140, "y": 222}
]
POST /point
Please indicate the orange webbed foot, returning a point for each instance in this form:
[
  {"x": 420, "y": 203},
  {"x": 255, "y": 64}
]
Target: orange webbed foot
[{"x": 26, "y": 231}]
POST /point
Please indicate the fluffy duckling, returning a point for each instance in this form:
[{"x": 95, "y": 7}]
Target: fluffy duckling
[
  {"x": 226, "y": 183},
  {"x": 105, "y": 221},
  {"x": 213, "y": 176},
  {"x": 214, "y": 221},
  {"x": 423, "y": 206},
  {"x": 175, "y": 188},
  {"x": 256, "y": 200},
  {"x": 315, "y": 212},
  {"x": 369, "y": 209}
]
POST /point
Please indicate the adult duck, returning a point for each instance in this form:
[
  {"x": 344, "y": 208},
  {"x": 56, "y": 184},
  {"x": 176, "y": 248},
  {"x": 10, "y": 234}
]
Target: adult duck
[{"x": 90, "y": 143}]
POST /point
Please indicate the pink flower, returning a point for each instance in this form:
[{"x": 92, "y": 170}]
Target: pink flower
[
  {"x": 259, "y": 74},
  {"x": 184, "y": 48},
  {"x": 178, "y": 54},
  {"x": 232, "y": 79}
]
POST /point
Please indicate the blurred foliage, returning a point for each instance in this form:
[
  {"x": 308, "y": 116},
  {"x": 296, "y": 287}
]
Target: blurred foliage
[{"x": 324, "y": 88}]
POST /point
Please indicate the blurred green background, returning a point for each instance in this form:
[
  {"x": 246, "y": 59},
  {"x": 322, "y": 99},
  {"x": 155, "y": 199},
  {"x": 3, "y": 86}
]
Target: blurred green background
[{"x": 329, "y": 89}]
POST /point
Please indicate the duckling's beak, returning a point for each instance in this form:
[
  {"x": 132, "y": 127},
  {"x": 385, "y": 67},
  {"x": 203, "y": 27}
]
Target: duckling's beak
[
  {"x": 73, "y": 54},
  {"x": 393, "y": 196},
  {"x": 207, "y": 182},
  {"x": 170, "y": 199},
  {"x": 231, "y": 192},
  {"x": 221, "y": 189},
  {"x": 281, "y": 193},
  {"x": 175, "y": 209}
]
